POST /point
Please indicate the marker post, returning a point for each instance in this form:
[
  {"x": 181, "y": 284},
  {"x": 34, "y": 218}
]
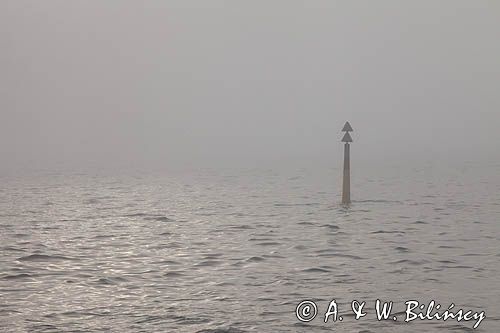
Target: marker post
[{"x": 346, "y": 181}]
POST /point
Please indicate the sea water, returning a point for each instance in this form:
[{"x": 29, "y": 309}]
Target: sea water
[{"x": 237, "y": 250}]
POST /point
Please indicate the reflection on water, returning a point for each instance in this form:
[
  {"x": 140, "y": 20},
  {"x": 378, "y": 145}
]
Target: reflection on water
[{"x": 237, "y": 251}]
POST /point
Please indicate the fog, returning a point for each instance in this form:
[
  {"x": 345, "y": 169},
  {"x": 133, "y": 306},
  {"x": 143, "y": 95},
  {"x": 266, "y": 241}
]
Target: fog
[{"x": 216, "y": 83}]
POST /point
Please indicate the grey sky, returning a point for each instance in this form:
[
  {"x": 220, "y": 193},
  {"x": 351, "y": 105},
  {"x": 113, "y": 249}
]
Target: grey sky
[{"x": 214, "y": 82}]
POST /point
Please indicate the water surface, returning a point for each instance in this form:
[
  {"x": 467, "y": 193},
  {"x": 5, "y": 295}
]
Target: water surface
[{"x": 237, "y": 250}]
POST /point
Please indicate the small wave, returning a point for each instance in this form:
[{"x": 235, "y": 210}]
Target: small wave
[
  {"x": 221, "y": 330},
  {"x": 387, "y": 232},
  {"x": 104, "y": 236},
  {"x": 349, "y": 256},
  {"x": 92, "y": 201},
  {"x": 42, "y": 257},
  {"x": 173, "y": 274},
  {"x": 11, "y": 248},
  {"x": 448, "y": 247},
  {"x": 147, "y": 319},
  {"x": 315, "y": 270},
  {"x": 305, "y": 223},
  {"x": 378, "y": 201},
  {"x": 296, "y": 204},
  {"x": 184, "y": 320},
  {"x": 242, "y": 227},
  {"x": 458, "y": 267},
  {"x": 268, "y": 244},
  {"x": 136, "y": 215},
  {"x": 111, "y": 280},
  {"x": 158, "y": 218},
  {"x": 208, "y": 263},
  {"x": 331, "y": 226},
  {"x": 255, "y": 259},
  {"x": 402, "y": 249},
  {"x": 408, "y": 261},
  {"x": 173, "y": 245},
  {"x": 167, "y": 262},
  {"x": 17, "y": 276},
  {"x": 213, "y": 255},
  {"x": 447, "y": 261}
]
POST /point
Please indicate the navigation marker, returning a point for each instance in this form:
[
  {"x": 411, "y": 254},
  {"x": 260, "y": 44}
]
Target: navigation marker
[{"x": 346, "y": 182}]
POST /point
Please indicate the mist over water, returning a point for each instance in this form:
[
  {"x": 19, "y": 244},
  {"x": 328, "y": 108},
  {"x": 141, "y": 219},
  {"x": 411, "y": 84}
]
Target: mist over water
[
  {"x": 123, "y": 84},
  {"x": 176, "y": 165}
]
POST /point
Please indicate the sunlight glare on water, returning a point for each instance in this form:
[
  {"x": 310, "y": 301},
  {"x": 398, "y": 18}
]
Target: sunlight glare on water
[{"x": 236, "y": 251}]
